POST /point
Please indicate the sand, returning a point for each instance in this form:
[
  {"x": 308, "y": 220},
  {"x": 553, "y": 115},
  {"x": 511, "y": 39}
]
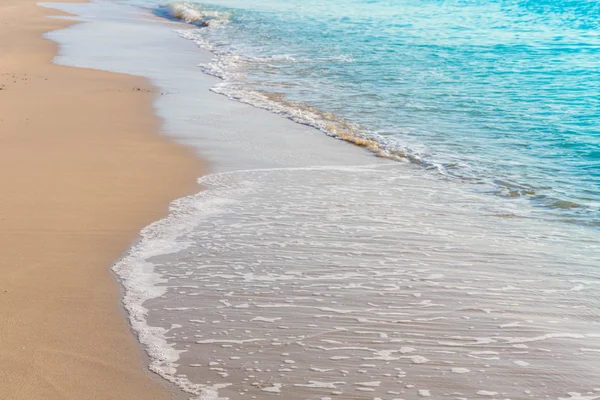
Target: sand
[{"x": 82, "y": 170}]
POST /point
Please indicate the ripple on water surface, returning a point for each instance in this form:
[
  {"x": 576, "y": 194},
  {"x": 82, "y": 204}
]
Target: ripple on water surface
[
  {"x": 504, "y": 95},
  {"x": 357, "y": 283}
]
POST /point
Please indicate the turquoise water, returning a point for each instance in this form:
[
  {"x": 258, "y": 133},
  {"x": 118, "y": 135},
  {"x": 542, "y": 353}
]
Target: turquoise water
[{"x": 501, "y": 95}]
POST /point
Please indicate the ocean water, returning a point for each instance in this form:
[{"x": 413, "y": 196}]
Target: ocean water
[
  {"x": 314, "y": 283},
  {"x": 308, "y": 268},
  {"x": 501, "y": 95}
]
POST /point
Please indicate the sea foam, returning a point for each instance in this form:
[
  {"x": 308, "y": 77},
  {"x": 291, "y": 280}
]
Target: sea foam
[
  {"x": 193, "y": 14},
  {"x": 308, "y": 287}
]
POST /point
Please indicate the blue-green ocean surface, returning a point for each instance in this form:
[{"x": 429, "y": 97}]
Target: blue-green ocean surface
[{"x": 501, "y": 95}]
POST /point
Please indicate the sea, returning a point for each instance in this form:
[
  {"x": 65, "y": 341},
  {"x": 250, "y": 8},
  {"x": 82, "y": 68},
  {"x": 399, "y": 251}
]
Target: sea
[
  {"x": 503, "y": 95},
  {"x": 403, "y": 197}
]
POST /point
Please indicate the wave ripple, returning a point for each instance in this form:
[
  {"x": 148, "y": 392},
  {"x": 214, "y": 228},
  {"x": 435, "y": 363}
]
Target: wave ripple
[{"x": 354, "y": 282}]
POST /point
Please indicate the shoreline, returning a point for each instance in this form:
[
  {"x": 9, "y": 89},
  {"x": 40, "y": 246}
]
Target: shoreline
[{"x": 84, "y": 176}]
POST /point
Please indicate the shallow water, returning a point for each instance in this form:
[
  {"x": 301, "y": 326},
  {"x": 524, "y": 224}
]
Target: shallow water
[
  {"x": 362, "y": 282},
  {"x": 309, "y": 269},
  {"x": 504, "y": 95}
]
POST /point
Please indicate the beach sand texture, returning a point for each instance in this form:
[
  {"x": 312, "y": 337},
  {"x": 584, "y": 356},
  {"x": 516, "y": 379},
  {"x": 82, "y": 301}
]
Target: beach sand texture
[{"x": 81, "y": 172}]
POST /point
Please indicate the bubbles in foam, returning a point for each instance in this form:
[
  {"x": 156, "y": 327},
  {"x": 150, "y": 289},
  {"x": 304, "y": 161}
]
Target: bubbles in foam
[
  {"x": 193, "y": 14},
  {"x": 230, "y": 65}
]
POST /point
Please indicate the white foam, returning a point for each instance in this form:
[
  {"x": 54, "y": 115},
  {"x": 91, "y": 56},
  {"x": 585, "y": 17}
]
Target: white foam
[
  {"x": 369, "y": 384},
  {"x": 276, "y": 388},
  {"x": 419, "y": 359},
  {"x": 458, "y": 370},
  {"x": 486, "y": 393},
  {"x": 193, "y": 14},
  {"x": 318, "y": 384},
  {"x": 264, "y": 319},
  {"x": 578, "y": 396}
]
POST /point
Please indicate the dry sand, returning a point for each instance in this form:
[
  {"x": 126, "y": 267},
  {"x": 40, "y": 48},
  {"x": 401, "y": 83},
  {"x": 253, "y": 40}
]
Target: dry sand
[{"x": 82, "y": 170}]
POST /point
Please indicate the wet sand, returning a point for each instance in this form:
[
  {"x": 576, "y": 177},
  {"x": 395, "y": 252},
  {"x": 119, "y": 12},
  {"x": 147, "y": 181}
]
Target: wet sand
[{"x": 82, "y": 170}]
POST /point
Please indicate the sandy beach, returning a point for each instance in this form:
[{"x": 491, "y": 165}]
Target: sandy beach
[{"x": 82, "y": 170}]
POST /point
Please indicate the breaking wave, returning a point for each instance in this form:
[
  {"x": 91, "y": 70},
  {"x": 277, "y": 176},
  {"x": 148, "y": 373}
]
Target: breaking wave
[
  {"x": 232, "y": 67},
  {"x": 226, "y": 66},
  {"x": 193, "y": 14}
]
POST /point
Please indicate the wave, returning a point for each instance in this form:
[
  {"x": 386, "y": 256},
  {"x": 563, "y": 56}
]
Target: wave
[
  {"x": 193, "y": 14},
  {"x": 206, "y": 243},
  {"x": 142, "y": 283},
  {"x": 224, "y": 67},
  {"x": 229, "y": 66}
]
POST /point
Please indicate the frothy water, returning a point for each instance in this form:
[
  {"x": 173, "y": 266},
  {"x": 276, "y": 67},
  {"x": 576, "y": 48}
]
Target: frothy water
[
  {"x": 190, "y": 14},
  {"x": 364, "y": 283},
  {"x": 502, "y": 95}
]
